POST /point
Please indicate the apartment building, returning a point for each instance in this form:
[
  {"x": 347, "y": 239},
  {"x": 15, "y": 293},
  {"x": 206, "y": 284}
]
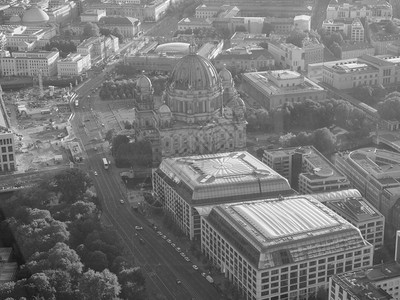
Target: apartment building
[
  {"x": 351, "y": 29},
  {"x": 74, "y": 64},
  {"x": 353, "y": 50},
  {"x": 269, "y": 257},
  {"x": 98, "y": 47},
  {"x": 29, "y": 63},
  {"x": 190, "y": 186},
  {"x": 271, "y": 89},
  {"x": 351, "y": 206},
  {"x": 306, "y": 169},
  {"x": 373, "y": 11},
  {"x": 375, "y": 173}
]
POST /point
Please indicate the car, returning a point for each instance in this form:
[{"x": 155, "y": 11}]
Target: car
[
  {"x": 95, "y": 173},
  {"x": 203, "y": 274},
  {"x": 138, "y": 228},
  {"x": 178, "y": 281},
  {"x": 169, "y": 241},
  {"x": 121, "y": 201},
  {"x": 195, "y": 267},
  {"x": 159, "y": 233},
  {"x": 141, "y": 241},
  {"x": 178, "y": 249},
  {"x": 187, "y": 258},
  {"x": 183, "y": 254},
  {"x": 173, "y": 245},
  {"x": 164, "y": 237}
]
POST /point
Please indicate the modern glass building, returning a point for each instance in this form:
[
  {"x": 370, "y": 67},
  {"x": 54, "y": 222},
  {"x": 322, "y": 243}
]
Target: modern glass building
[{"x": 282, "y": 248}]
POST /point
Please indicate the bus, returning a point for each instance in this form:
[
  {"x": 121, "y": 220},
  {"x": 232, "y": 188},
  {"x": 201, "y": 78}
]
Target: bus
[{"x": 106, "y": 163}]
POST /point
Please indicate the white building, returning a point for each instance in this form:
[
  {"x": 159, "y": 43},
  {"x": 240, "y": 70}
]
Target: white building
[
  {"x": 74, "y": 64},
  {"x": 307, "y": 170},
  {"x": 374, "y": 11},
  {"x": 92, "y": 15},
  {"x": 187, "y": 186},
  {"x": 302, "y": 22},
  {"x": 282, "y": 248},
  {"x": 29, "y": 63}
]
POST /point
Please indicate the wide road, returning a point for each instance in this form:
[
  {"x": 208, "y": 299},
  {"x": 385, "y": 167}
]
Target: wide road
[{"x": 161, "y": 263}]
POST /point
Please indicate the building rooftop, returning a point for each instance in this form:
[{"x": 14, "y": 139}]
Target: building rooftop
[
  {"x": 351, "y": 283},
  {"x": 246, "y": 35},
  {"x": 262, "y": 81},
  {"x": 195, "y": 21},
  {"x": 382, "y": 165},
  {"x": 204, "y": 178},
  {"x": 351, "y": 205},
  {"x": 351, "y": 65},
  {"x": 277, "y": 230},
  {"x": 249, "y": 54},
  {"x": 356, "y": 46},
  {"x": 320, "y": 166}
]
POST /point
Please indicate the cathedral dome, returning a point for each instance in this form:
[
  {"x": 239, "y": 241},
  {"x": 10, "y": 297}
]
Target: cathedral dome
[
  {"x": 194, "y": 72},
  {"x": 34, "y": 16}
]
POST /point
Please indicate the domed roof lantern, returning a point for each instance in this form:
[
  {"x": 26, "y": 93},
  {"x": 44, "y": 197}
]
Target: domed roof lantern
[{"x": 192, "y": 46}]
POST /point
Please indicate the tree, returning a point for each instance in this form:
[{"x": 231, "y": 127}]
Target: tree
[
  {"x": 72, "y": 184},
  {"x": 90, "y": 30},
  {"x": 391, "y": 28},
  {"x": 96, "y": 260},
  {"x": 374, "y": 27},
  {"x": 296, "y": 38},
  {"x": 60, "y": 257},
  {"x": 389, "y": 109},
  {"x": 81, "y": 209},
  {"x": 132, "y": 283},
  {"x": 105, "y": 31},
  {"x": 99, "y": 285},
  {"x": 60, "y": 281},
  {"x": 117, "y": 33},
  {"x": 324, "y": 140},
  {"x": 118, "y": 141},
  {"x": 336, "y": 50}
]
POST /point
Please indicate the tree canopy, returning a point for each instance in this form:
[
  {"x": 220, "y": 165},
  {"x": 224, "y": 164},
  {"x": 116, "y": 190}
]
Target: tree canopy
[
  {"x": 389, "y": 109},
  {"x": 90, "y": 30},
  {"x": 296, "y": 38}
]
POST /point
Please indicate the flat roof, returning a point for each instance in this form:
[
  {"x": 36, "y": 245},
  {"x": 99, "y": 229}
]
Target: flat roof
[
  {"x": 351, "y": 205},
  {"x": 268, "y": 87},
  {"x": 359, "y": 286},
  {"x": 383, "y": 165},
  {"x": 286, "y": 224},
  {"x": 232, "y": 174}
]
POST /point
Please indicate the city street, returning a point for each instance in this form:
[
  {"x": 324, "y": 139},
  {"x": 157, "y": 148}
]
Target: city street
[{"x": 163, "y": 266}]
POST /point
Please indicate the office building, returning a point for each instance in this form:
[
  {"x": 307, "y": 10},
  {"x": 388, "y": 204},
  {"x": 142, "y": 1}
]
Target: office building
[
  {"x": 307, "y": 170},
  {"x": 194, "y": 23},
  {"x": 364, "y": 70},
  {"x": 382, "y": 42},
  {"x": 30, "y": 63},
  {"x": 351, "y": 206},
  {"x": 281, "y": 248},
  {"x": 74, "y": 64},
  {"x": 375, "y": 173},
  {"x": 295, "y": 58},
  {"x": 351, "y": 29},
  {"x": 127, "y": 26},
  {"x": 302, "y": 23},
  {"x": 246, "y": 59},
  {"x": 353, "y": 50},
  {"x": 190, "y": 186},
  {"x": 63, "y": 14},
  {"x": 98, "y": 48},
  {"x": 380, "y": 282},
  {"x": 271, "y": 89},
  {"x": 92, "y": 15}
]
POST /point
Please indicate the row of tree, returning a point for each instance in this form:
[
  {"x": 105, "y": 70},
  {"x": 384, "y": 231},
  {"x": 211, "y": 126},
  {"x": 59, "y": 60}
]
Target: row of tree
[
  {"x": 63, "y": 250},
  {"x": 117, "y": 89},
  {"x": 127, "y": 154},
  {"x": 389, "y": 108}
]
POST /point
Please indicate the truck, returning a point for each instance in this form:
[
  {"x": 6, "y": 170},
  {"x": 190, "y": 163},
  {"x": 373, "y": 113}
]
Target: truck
[{"x": 209, "y": 279}]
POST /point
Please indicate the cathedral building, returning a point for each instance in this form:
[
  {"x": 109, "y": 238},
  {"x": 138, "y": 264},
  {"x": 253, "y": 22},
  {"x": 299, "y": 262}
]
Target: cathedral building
[{"x": 201, "y": 111}]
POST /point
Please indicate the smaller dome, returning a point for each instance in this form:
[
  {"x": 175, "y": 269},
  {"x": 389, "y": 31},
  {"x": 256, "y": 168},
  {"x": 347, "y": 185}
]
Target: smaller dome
[
  {"x": 164, "y": 109},
  {"x": 225, "y": 75},
  {"x": 15, "y": 19},
  {"x": 144, "y": 82}
]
